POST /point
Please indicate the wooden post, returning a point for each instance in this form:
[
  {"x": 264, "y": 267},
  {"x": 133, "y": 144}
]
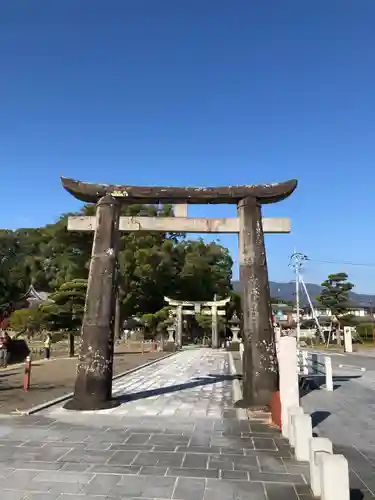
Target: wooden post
[
  {"x": 260, "y": 367},
  {"x": 93, "y": 388},
  {"x": 215, "y": 328},
  {"x": 71, "y": 345}
]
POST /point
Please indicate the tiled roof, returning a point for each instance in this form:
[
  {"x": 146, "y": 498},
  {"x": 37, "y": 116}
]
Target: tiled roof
[{"x": 35, "y": 295}]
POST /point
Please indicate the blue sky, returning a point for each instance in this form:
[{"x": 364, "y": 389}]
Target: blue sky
[{"x": 197, "y": 92}]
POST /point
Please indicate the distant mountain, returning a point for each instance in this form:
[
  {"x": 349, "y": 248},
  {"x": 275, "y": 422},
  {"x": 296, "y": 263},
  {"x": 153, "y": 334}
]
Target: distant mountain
[{"x": 286, "y": 291}]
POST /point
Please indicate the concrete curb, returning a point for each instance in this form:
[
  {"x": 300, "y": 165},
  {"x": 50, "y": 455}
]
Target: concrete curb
[
  {"x": 237, "y": 392},
  {"x": 52, "y": 402}
]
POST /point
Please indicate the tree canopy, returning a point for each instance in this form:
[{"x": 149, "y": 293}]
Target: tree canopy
[
  {"x": 26, "y": 321},
  {"x": 151, "y": 264},
  {"x": 335, "y": 293},
  {"x": 65, "y": 311}
]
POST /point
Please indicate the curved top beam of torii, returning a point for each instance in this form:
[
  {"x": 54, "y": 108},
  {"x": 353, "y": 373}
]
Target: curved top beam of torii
[{"x": 265, "y": 193}]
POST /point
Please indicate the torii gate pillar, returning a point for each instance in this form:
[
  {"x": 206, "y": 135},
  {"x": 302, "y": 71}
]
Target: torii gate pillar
[
  {"x": 260, "y": 367},
  {"x": 93, "y": 387}
]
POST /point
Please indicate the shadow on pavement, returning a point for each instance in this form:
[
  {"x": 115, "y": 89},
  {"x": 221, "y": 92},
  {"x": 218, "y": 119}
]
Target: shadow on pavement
[
  {"x": 312, "y": 383},
  {"x": 196, "y": 382},
  {"x": 345, "y": 378},
  {"x": 356, "y": 494},
  {"x": 319, "y": 416}
]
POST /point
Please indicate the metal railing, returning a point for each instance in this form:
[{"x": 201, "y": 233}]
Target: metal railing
[{"x": 315, "y": 366}]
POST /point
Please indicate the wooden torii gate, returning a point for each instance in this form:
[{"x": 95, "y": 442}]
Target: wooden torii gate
[
  {"x": 210, "y": 308},
  {"x": 93, "y": 388}
]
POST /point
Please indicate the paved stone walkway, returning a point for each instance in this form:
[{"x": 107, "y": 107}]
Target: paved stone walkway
[{"x": 175, "y": 436}]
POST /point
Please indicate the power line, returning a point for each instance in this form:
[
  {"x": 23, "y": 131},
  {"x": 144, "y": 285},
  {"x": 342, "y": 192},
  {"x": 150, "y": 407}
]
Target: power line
[{"x": 342, "y": 263}]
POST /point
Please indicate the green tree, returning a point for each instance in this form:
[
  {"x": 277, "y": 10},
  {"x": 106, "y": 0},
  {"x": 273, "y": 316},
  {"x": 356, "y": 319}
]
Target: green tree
[
  {"x": 157, "y": 322},
  {"x": 27, "y": 321},
  {"x": 234, "y": 306},
  {"x": 206, "y": 271},
  {"x": 151, "y": 264},
  {"x": 205, "y": 323},
  {"x": 11, "y": 285},
  {"x": 65, "y": 311},
  {"x": 335, "y": 294}
]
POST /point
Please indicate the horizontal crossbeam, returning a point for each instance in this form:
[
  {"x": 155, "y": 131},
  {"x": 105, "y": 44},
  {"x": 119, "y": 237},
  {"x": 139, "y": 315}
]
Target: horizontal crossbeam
[
  {"x": 187, "y": 303},
  {"x": 179, "y": 224},
  {"x": 264, "y": 193},
  {"x": 189, "y": 312}
]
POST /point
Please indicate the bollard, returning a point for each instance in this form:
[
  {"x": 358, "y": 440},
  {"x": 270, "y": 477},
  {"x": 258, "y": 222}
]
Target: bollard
[
  {"x": 143, "y": 347},
  {"x": 328, "y": 372},
  {"x": 302, "y": 436},
  {"x": 26, "y": 378},
  {"x": 348, "y": 345},
  {"x": 288, "y": 379},
  {"x": 318, "y": 446},
  {"x": 292, "y": 412},
  {"x": 334, "y": 477}
]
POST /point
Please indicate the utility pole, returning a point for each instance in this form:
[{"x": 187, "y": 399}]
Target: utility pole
[
  {"x": 297, "y": 307},
  {"x": 296, "y": 261}
]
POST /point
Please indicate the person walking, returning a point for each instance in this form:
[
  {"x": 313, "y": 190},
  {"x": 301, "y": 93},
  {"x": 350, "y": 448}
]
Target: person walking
[
  {"x": 47, "y": 346},
  {"x": 4, "y": 348}
]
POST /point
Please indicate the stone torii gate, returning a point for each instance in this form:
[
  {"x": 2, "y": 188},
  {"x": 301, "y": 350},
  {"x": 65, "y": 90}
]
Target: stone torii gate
[
  {"x": 210, "y": 308},
  {"x": 93, "y": 388}
]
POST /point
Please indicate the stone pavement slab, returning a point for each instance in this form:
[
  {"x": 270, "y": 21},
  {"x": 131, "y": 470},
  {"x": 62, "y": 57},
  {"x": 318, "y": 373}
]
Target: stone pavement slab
[{"x": 175, "y": 436}]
